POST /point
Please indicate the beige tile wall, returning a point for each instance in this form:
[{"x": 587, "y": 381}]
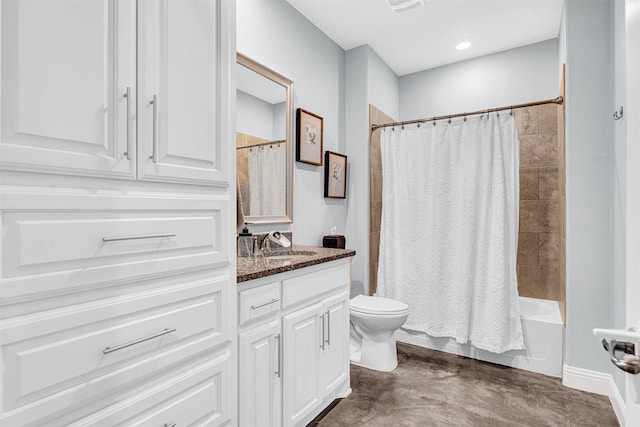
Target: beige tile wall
[
  {"x": 375, "y": 194},
  {"x": 541, "y": 243}
]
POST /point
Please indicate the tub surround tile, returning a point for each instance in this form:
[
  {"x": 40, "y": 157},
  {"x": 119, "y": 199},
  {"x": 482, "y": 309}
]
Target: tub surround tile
[
  {"x": 539, "y": 216},
  {"x": 549, "y": 248},
  {"x": 528, "y": 249},
  {"x": 539, "y": 150},
  {"x": 527, "y": 121},
  {"x": 549, "y": 187},
  {"x": 539, "y": 281},
  {"x": 547, "y": 118},
  {"x": 529, "y": 184}
]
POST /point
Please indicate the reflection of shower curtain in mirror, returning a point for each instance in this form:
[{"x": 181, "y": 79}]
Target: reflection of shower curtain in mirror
[{"x": 267, "y": 180}]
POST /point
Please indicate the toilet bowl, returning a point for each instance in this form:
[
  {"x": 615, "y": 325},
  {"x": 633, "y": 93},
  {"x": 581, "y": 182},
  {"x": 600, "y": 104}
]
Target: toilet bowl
[{"x": 373, "y": 322}]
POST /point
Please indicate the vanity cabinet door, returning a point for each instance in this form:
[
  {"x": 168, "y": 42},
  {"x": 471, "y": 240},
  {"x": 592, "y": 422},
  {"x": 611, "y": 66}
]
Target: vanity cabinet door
[
  {"x": 67, "y": 68},
  {"x": 303, "y": 340},
  {"x": 335, "y": 357},
  {"x": 184, "y": 96},
  {"x": 260, "y": 375}
]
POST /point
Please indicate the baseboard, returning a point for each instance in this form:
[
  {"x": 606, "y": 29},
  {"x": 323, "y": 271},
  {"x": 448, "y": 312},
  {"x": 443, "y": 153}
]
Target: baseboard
[{"x": 595, "y": 382}]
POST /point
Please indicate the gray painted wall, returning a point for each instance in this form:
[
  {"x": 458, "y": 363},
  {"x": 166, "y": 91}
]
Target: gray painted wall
[
  {"x": 514, "y": 76},
  {"x": 588, "y": 150},
  {"x": 276, "y": 35}
]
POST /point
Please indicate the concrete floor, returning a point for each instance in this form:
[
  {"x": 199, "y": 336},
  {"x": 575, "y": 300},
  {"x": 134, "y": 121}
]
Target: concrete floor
[{"x": 432, "y": 388}]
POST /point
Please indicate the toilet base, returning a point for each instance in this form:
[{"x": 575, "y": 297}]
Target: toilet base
[{"x": 377, "y": 355}]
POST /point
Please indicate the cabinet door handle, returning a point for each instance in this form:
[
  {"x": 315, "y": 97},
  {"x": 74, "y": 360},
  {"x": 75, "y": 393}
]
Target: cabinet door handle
[
  {"x": 144, "y": 236},
  {"x": 154, "y": 153},
  {"x": 254, "y": 307},
  {"x": 279, "y": 365},
  {"x": 108, "y": 350},
  {"x": 322, "y": 340},
  {"x": 328, "y": 327},
  {"x": 169, "y": 424},
  {"x": 128, "y": 96}
]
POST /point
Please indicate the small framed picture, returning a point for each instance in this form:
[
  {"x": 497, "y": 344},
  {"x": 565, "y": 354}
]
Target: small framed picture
[
  {"x": 309, "y": 137},
  {"x": 335, "y": 175}
]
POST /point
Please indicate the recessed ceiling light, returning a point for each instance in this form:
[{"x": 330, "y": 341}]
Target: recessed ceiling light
[
  {"x": 402, "y": 6},
  {"x": 463, "y": 45}
]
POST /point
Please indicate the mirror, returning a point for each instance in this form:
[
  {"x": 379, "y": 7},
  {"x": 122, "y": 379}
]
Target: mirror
[{"x": 264, "y": 142}]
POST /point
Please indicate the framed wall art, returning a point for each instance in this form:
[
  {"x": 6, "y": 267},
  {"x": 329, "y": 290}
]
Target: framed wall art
[
  {"x": 308, "y": 137},
  {"x": 335, "y": 175}
]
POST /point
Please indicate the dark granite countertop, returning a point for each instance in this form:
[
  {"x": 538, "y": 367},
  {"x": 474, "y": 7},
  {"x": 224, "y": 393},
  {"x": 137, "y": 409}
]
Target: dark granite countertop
[{"x": 250, "y": 268}]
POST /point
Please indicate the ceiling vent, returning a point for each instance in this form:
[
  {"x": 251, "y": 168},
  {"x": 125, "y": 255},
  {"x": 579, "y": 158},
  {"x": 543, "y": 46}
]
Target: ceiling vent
[{"x": 402, "y": 6}]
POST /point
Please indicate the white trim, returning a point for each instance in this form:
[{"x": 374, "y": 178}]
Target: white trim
[{"x": 595, "y": 382}]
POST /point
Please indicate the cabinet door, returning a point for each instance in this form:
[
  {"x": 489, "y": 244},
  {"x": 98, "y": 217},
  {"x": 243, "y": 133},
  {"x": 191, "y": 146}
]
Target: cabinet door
[
  {"x": 260, "y": 373},
  {"x": 302, "y": 338},
  {"x": 335, "y": 357},
  {"x": 184, "y": 69},
  {"x": 66, "y": 70}
]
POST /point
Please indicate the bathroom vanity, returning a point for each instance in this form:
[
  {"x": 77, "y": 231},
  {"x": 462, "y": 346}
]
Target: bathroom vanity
[{"x": 293, "y": 334}]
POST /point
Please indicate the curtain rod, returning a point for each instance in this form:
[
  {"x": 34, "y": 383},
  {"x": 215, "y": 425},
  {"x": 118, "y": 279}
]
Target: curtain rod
[
  {"x": 557, "y": 100},
  {"x": 281, "y": 141}
]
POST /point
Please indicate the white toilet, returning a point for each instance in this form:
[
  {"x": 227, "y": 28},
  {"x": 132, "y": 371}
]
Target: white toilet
[{"x": 373, "y": 322}]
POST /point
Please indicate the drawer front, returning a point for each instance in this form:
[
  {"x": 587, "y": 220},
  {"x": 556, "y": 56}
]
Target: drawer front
[
  {"x": 258, "y": 303},
  {"x": 308, "y": 286},
  {"x": 196, "y": 397},
  {"x": 63, "y": 357},
  {"x": 49, "y": 251}
]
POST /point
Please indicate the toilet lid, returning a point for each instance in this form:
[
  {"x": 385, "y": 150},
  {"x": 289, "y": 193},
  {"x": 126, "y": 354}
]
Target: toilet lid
[{"x": 377, "y": 305}]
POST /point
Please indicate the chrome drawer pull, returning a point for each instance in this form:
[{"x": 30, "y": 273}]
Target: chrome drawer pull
[
  {"x": 254, "y": 307},
  {"x": 154, "y": 142},
  {"x": 108, "y": 350},
  {"x": 145, "y": 236},
  {"x": 169, "y": 424},
  {"x": 128, "y": 96},
  {"x": 279, "y": 371},
  {"x": 322, "y": 341},
  {"x": 328, "y": 327}
]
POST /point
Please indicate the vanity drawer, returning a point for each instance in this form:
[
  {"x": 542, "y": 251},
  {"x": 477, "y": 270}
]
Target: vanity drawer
[
  {"x": 308, "y": 286},
  {"x": 197, "y": 396},
  {"x": 60, "y": 358},
  {"x": 260, "y": 302},
  {"x": 53, "y": 250}
]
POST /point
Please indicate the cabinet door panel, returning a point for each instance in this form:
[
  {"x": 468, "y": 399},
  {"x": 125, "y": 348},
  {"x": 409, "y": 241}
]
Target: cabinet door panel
[
  {"x": 302, "y": 335},
  {"x": 66, "y": 67},
  {"x": 181, "y": 94},
  {"x": 335, "y": 366},
  {"x": 260, "y": 384}
]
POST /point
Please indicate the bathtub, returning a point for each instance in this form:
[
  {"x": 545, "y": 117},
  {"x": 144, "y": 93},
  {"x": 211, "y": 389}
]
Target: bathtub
[{"x": 543, "y": 336}]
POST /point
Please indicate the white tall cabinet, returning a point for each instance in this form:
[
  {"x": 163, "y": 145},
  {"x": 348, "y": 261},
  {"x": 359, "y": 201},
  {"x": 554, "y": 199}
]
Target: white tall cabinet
[{"x": 117, "y": 260}]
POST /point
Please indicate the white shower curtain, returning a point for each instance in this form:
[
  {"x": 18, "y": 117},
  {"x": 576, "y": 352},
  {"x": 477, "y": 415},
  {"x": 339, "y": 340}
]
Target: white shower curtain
[
  {"x": 267, "y": 174},
  {"x": 448, "y": 238}
]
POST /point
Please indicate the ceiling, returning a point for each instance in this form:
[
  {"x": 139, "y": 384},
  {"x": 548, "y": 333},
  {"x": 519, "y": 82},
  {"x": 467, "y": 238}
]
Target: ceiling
[{"x": 425, "y": 38}]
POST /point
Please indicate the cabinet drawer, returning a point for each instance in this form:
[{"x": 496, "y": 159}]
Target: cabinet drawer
[
  {"x": 197, "y": 396},
  {"x": 259, "y": 302},
  {"x": 303, "y": 288},
  {"x": 63, "y": 357},
  {"x": 46, "y": 251}
]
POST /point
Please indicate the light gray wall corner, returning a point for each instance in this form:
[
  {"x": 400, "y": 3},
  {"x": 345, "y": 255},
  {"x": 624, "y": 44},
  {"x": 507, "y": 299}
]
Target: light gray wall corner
[
  {"x": 357, "y": 122},
  {"x": 384, "y": 85},
  {"x": 278, "y": 36},
  {"x": 588, "y": 154},
  {"x": 618, "y": 198}
]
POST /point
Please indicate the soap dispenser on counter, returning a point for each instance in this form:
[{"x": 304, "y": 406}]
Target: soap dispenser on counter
[{"x": 245, "y": 243}]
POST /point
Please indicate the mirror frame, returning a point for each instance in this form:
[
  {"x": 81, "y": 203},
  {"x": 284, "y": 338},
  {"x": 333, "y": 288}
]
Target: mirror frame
[{"x": 288, "y": 86}]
